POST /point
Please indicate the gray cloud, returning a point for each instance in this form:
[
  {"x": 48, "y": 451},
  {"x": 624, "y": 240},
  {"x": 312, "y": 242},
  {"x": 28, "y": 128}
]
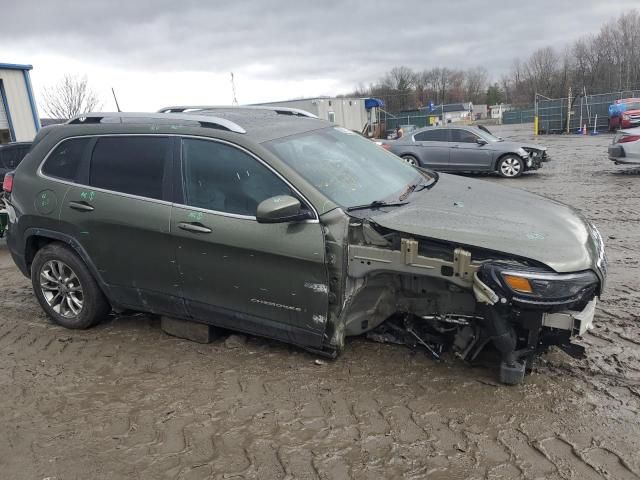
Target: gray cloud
[{"x": 351, "y": 41}]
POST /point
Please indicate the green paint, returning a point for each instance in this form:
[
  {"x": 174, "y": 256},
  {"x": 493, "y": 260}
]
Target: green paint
[
  {"x": 88, "y": 195},
  {"x": 44, "y": 199}
]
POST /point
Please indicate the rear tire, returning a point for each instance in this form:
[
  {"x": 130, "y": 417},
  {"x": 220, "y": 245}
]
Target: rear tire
[
  {"x": 510, "y": 166},
  {"x": 65, "y": 288},
  {"x": 411, "y": 160}
]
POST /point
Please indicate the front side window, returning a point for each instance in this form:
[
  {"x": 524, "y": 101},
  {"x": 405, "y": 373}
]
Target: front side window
[
  {"x": 347, "y": 168},
  {"x": 223, "y": 178},
  {"x": 463, "y": 136},
  {"x": 133, "y": 165},
  {"x": 437, "y": 135},
  {"x": 65, "y": 160}
]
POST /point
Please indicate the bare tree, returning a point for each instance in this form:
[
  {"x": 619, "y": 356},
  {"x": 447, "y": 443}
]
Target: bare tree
[
  {"x": 475, "y": 84},
  {"x": 69, "y": 98}
]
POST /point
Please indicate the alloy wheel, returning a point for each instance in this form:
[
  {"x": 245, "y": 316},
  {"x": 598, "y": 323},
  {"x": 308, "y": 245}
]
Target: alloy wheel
[
  {"x": 61, "y": 289},
  {"x": 410, "y": 160},
  {"x": 510, "y": 167}
]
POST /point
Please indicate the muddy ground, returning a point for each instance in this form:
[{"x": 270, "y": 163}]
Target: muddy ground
[{"x": 125, "y": 400}]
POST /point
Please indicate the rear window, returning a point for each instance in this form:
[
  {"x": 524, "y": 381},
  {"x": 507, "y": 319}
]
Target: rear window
[
  {"x": 11, "y": 156},
  {"x": 439, "y": 135},
  {"x": 65, "y": 160},
  {"x": 133, "y": 165}
]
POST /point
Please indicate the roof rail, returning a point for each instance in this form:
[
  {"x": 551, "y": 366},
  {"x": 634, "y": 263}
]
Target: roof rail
[
  {"x": 196, "y": 108},
  {"x": 205, "y": 121}
]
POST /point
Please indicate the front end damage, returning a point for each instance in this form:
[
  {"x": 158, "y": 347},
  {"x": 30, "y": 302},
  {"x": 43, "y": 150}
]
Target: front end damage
[{"x": 443, "y": 297}]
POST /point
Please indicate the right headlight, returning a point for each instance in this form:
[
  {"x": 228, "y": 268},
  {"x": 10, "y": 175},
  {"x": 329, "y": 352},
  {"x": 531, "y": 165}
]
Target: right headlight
[
  {"x": 548, "y": 286},
  {"x": 537, "y": 286}
]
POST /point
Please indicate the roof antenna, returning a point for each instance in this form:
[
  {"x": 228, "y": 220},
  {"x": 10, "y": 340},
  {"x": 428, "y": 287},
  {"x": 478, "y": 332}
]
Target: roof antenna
[
  {"x": 233, "y": 89},
  {"x": 116, "y": 99}
]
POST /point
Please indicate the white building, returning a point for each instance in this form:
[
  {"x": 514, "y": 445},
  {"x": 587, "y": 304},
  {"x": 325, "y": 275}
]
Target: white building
[
  {"x": 19, "y": 121},
  {"x": 498, "y": 110},
  {"x": 351, "y": 113}
]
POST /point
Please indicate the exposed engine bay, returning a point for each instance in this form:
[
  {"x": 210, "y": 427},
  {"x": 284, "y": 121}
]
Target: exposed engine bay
[{"x": 429, "y": 294}]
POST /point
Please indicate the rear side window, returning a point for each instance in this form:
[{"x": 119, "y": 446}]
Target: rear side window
[
  {"x": 439, "y": 135},
  {"x": 65, "y": 160},
  {"x": 133, "y": 165}
]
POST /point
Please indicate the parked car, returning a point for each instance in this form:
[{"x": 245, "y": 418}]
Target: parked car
[
  {"x": 11, "y": 154},
  {"x": 624, "y": 113},
  {"x": 463, "y": 149},
  {"x": 625, "y": 147},
  {"x": 292, "y": 228}
]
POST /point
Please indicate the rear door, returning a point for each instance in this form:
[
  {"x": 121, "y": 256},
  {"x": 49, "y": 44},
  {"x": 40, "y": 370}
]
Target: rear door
[
  {"x": 466, "y": 153},
  {"x": 269, "y": 279},
  {"x": 119, "y": 211},
  {"x": 433, "y": 148}
]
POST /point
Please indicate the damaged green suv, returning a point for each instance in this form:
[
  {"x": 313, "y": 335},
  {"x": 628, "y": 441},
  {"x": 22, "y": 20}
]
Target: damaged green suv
[{"x": 273, "y": 222}]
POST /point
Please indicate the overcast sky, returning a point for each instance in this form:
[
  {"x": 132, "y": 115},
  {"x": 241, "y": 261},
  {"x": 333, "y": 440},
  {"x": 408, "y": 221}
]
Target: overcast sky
[{"x": 159, "y": 52}]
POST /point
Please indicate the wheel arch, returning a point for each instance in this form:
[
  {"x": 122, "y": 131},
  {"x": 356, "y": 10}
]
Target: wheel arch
[
  {"x": 37, "y": 238},
  {"x": 411, "y": 154},
  {"x": 507, "y": 154}
]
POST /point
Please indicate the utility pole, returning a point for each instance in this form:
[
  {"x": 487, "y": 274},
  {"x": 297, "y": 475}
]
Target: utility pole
[
  {"x": 569, "y": 112},
  {"x": 535, "y": 115},
  {"x": 233, "y": 89}
]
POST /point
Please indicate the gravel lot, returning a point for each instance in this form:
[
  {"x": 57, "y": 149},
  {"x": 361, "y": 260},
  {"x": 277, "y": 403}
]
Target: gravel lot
[{"x": 125, "y": 400}]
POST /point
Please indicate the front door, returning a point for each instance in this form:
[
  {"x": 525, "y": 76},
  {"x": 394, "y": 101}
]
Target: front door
[
  {"x": 467, "y": 154},
  {"x": 119, "y": 211},
  {"x": 268, "y": 279}
]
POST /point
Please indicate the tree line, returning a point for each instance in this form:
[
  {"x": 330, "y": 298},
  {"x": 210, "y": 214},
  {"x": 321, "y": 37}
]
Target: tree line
[{"x": 607, "y": 61}]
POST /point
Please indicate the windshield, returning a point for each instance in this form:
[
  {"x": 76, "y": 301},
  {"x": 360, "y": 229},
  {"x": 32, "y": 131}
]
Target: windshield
[
  {"x": 347, "y": 168},
  {"x": 484, "y": 133},
  {"x": 632, "y": 106}
]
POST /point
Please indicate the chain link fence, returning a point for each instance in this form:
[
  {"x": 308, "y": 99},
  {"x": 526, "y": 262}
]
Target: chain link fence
[{"x": 589, "y": 110}]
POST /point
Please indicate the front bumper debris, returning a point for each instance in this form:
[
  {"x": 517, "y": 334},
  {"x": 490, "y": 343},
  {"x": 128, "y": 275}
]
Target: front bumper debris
[{"x": 575, "y": 322}]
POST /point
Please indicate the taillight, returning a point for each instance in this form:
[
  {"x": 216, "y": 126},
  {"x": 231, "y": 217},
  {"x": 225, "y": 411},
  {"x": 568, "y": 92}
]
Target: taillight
[
  {"x": 7, "y": 184},
  {"x": 386, "y": 146},
  {"x": 629, "y": 138}
]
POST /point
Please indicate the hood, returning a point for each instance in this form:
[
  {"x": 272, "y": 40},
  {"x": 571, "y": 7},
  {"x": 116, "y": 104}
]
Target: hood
[
  {"x": 482, "y": 214},
  {"x": 533, "y": 146},
  {"x": 505, "y": 145}
]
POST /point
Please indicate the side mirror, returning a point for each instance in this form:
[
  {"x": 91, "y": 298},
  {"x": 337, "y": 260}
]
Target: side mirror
[
  {"x": 481, "y": 141},
  {"x": 281, "y": 209}
]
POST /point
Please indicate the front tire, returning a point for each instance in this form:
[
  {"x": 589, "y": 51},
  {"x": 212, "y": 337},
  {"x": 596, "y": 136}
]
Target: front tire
[
  {"x": 66, "y": 289},
  {"x": 411, "y": 160},
  {"x": 510, "y": 166}
]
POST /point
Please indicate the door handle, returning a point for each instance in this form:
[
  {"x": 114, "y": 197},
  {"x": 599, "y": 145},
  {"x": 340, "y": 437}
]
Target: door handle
[
  {"x": 81, "y": 206},
  {"x": 194, "y": 227}
]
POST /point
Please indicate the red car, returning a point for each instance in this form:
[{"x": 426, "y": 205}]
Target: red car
[{"x": 624, "y": 113}]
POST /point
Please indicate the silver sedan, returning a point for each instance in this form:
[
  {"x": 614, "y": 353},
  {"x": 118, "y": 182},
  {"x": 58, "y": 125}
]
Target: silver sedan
[
  {"x": 465, "y": 149},
  {"x": 625, "y": 148}
]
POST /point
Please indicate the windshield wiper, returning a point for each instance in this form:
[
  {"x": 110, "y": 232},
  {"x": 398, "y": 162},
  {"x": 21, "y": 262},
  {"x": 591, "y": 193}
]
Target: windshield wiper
[{"x": 376, "y": 204}]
